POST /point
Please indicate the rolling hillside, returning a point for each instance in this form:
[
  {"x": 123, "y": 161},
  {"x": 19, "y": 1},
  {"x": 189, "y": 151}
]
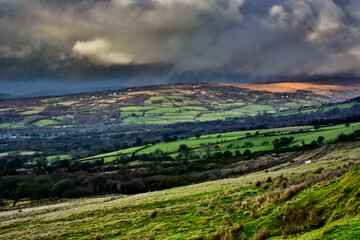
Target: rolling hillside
[{"x": 294, "y": 201}]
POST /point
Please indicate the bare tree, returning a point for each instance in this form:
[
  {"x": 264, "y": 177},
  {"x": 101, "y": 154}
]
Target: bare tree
[{"x": 206, "y": 151}]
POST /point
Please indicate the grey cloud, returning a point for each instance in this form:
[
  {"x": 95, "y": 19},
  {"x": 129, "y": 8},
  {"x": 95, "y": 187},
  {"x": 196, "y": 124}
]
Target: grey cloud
[{"x": 257, "y": 38}]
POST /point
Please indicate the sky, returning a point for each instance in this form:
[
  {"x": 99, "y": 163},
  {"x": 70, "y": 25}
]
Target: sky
[{"x": 83, "y": 44}]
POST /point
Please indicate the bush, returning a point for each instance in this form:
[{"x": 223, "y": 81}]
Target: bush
[
  {"x": 218, "y": 155},
  {"x": 227, "y": 154},
  {"x": 153, "y": 214},
  {"x": 262, "y": 234},
  {"x": 248, "y": 144},
  {"x": 247, "y": 152},
  {"x": 63, "y": 188},
  {"x": 257, "y": 183}
]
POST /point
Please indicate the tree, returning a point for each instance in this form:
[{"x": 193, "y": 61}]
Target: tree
[
  {"x": 207, "y": 147},
  {"x": 347, "y": 124},
  {"x": 158, "y": 155},
  {"x": 227, "y": 154},
  {"x": 248, "y": 134},
  {"x": 15, "y": 189},
  {"x": 265, "y": 143},
  {"x": 41, "y": 164},
  {"x": 247, "y": 152},
  {"x": 248, "y": 144},
  {"x": 64, "y": 163},
  {"x": 63, "y": 188},
  {"x": 184, "y": 150},
  {"x": 138, "y": 142},
  {"x": 15, "y": 161},
  {"x": 40, "y": 187},
  {"x": 237, "y": 153},
  {"x": 122, "y": 159},
  {"x": 320, "y": 139},
  {"x": 99, "y": 162}
]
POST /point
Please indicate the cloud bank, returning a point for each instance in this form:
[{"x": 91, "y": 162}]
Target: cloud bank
[{"x": 85, "y": 39}]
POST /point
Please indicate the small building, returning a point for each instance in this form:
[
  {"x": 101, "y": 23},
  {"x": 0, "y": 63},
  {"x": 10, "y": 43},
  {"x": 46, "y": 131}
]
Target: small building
[{"x": 21, "y": 170}]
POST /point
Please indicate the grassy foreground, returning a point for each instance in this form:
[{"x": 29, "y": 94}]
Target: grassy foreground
[{"x": 296, "y": 201}]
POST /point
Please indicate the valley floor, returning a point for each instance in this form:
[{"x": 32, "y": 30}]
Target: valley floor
[{"x": 255, "y": 206}]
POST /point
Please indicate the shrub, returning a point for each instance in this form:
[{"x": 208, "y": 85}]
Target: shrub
[
  {"x": 247, "y": 152},
  {"x": 319, "y": 170},
  {"x": 262, "y": 234},
  {"x": 248, "y": 144},
  {"x": 98, "y": 236},
  {"x": 320, "y": 139},
  {"x": 257, "y": 182},
  {"x": 218, "y": 155},
  {"x": 153, "y": 214},
  {"x": 227, "y": 154},
  {"x": 315, "y": 217},
  {"x": 294, "y": 217},
  {"x": 230, "y": 233},
  {"x": 268, "y": 179}
]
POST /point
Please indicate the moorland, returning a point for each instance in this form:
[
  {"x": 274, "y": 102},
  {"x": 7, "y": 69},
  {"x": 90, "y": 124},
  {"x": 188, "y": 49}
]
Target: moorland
[{"x": 243, "y": 161}]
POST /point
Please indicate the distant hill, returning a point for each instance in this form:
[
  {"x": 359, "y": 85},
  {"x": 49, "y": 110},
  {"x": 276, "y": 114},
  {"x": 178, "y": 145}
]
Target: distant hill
[
  {"x": 167, "y": 104},
  {"x": 7, "y": 96},
  {"x": 35, "y": 94}
]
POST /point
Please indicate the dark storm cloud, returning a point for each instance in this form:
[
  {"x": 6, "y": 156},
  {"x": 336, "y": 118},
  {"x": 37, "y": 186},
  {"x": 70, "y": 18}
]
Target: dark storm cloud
[{"x": 95, "y": 39}]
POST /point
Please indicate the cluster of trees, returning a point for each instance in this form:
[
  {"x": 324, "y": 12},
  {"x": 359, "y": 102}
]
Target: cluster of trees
[
  {"x": 283, "y": 141},
  {"x": 123, "y": 179},
  {"x": 158, "y": 156},
  {"x": 37, "y": 187},
  {"x": 348, "y": 137}
]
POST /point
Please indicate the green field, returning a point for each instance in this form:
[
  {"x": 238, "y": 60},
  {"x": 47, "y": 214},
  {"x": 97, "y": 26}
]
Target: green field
[
  {"x": 9, "y": 125},
  {"x": 61, "y": 157},
  {"x": 234, "y": 208},
  {"x": 223, "y": 140},
  {"x": 46, "y": 122}
]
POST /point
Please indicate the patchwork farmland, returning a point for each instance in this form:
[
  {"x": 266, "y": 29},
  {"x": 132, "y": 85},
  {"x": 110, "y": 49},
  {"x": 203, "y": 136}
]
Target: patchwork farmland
[{"x": 170, "y": 104}]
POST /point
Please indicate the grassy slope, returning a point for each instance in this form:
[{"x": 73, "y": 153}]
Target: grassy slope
[
  {"x": 340, "y": 205},
  {"x": 195, "y": 211}
]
